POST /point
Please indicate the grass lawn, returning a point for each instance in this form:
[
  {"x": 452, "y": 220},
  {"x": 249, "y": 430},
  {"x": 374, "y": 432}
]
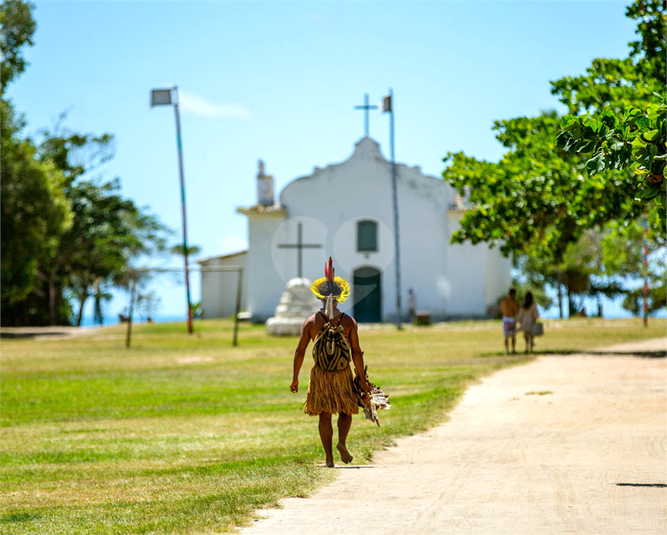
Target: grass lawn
[{"x": 187, "y": 434}]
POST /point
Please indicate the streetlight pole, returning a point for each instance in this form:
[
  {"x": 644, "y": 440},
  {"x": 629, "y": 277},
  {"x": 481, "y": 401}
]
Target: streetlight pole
[
  {"x": 165, "y": 97},
  {"x": 388, "y": 107}
]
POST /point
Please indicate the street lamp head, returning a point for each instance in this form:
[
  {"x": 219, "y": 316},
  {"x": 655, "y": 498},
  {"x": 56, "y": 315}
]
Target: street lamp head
[
  {"x": 386, "y": 105},
  {"x": 164, "y": 97}
]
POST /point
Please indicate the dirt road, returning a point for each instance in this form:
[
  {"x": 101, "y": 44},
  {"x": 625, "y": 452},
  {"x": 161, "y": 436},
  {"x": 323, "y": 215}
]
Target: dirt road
[{"x": 565, "y": 444}]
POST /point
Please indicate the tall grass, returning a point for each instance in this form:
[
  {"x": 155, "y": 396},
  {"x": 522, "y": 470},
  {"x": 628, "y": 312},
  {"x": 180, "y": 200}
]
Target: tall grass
[{"x": 187, "y": 434}]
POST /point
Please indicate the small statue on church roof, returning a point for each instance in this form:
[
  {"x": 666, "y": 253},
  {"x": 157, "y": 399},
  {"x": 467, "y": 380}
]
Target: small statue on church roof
[{"x": 264, "y": 186}]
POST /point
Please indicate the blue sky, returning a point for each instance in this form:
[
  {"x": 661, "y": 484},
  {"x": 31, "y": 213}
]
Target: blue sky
[{"x": 279, "y": 81}]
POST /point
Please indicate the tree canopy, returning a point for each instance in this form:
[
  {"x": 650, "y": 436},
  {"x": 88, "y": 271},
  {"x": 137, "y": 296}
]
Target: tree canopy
[
  {"x": 66, "y": 234},
  {"x": 35, "y": 211},
  {"x": 18, "y": 28},
  {"x": 538, "y": 199}
]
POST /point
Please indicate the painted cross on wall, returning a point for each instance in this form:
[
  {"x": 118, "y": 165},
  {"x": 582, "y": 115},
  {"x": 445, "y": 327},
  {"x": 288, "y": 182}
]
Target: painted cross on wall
[{"x": 299, "y": 246}]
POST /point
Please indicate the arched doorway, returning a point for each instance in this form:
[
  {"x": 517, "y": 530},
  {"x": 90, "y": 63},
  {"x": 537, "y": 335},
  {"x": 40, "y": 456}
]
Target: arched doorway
[{"x": 367, "y": 295}]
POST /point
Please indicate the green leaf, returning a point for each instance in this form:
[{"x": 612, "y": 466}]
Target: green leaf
[
  {"x": 616, "y": 145},
  {"x": 647, "y": 194},
  {"x": 596, "y": 164}
]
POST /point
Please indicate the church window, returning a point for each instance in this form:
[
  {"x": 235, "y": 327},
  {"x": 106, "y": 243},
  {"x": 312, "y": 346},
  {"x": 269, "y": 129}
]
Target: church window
[{"x": 367, "y": 236}]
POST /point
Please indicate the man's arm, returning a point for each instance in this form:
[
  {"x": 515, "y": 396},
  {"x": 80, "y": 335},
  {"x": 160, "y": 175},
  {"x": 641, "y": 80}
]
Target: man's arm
[
  {"x": 358, "y": 356},
  {"x": 300, "y": 353}
]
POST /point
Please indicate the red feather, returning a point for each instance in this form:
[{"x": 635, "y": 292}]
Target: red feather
[{"x": 330, "y": 273}]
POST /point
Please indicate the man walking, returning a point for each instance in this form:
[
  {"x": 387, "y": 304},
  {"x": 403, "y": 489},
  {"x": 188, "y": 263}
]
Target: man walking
[
  {"x": 336, "y": 343},
  {"x": 509, "y": 308}
]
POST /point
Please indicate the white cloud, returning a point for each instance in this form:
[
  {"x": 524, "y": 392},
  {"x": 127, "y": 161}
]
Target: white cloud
[{"x": 200, "y": 106}]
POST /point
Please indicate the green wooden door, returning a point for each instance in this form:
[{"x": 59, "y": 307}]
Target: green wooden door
[{"x": 367, "y": 295}]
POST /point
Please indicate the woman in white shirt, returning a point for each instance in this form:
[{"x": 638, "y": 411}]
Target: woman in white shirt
[{"x": 527, "y": 317}]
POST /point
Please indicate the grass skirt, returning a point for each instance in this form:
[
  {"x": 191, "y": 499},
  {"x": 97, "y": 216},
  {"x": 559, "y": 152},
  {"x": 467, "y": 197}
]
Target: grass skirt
[{"x": 330, "y": 392}]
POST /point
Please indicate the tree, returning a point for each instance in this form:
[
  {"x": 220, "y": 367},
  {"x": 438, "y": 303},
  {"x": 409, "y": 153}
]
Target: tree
[
  {"x": 35, "y": 212},
  {"x": 147, "y": 304},
  {"x": 100, "y": 295},
  {"x": 107, "y": 233},
  {"x": 634, "y": 141},
  {"x": 193, "y": 250},
  {"x": 657, "y": 296},
  {"x": 623, "y": 251},
  {"x": 34, "y": 209},
  {"x": 18, "y": 27},
  {"x": 64, "y": 234},
  {"x": 571, "y": 277},
  {"x": 539, "y": 199},
  {"x": 617, "y": 110}
]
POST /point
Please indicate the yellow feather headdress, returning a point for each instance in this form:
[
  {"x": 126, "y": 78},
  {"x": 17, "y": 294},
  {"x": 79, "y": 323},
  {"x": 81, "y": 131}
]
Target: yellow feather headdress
[{"x": 330, "y": 285}]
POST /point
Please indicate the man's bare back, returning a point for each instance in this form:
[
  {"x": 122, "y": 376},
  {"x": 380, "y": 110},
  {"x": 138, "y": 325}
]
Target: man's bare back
[
  {"x": 318, "y": 320},
  {"x": 509, "y": 307}
]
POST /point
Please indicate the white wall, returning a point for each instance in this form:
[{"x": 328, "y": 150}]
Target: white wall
[
  {"x": 218, "y": 288},
  {"x": 498, "y": 276},
  {"x": 265, "y": 285}
]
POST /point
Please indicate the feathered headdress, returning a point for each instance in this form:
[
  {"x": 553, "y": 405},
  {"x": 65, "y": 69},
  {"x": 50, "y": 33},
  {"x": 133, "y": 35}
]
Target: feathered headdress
[{"x": 330, "y": 287}]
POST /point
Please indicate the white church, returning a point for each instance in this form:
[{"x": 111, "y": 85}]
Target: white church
[{"x": 345, "y": 211}]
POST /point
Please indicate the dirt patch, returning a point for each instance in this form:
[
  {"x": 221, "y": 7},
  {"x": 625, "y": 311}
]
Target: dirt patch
[{"x": 194, "y": 359}]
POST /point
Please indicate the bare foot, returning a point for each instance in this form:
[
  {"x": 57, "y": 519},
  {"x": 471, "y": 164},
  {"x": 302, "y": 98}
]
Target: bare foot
[
  {"x": 344, "y": 454},
  {"x": 326, "y": 464}
]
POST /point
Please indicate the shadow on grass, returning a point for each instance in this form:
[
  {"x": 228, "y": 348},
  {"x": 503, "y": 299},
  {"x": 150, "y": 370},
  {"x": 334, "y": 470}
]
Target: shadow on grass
[
  {"x": 19, "y": 517},
  {"x": 566, "y": 352}
]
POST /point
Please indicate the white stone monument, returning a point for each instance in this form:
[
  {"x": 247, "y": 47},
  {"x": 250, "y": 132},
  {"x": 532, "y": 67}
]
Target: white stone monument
[{"x": 296, "y": 304}]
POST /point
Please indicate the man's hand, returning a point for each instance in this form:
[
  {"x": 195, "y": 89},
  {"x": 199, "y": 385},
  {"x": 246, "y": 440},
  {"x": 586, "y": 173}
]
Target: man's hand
[{"x": 294, "y": 387}]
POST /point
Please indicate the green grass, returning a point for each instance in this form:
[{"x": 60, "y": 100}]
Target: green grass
[{"x": 187, "y": 434}]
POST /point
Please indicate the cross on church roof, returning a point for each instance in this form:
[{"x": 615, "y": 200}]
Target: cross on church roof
[
  {"x": 299, "y": 246},
  {"x": 366, "y": 107}
]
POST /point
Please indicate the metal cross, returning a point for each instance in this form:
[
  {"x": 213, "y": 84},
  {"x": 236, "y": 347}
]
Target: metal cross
[
  {"x": 366, "y": 107},
  {"x": 299, "y": 246}
]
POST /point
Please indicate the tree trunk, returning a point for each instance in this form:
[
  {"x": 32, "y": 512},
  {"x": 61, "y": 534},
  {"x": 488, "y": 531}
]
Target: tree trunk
[
  {"x": 571, "y": 304},
  {"x": 599, "y": 305},
  {"x": 560, "y": 295},
  {"x": 82, "y": 301},
  {"x": 129, "y": 323},
  {"x": 53, "y": 302}
]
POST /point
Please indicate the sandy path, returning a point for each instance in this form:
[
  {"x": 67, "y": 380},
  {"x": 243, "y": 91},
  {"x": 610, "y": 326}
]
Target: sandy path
[{"x": 571, "y": 444}]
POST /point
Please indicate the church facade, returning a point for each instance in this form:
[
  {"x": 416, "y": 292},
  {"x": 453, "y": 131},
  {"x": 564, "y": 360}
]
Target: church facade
[{"x": 345, "y": 211}]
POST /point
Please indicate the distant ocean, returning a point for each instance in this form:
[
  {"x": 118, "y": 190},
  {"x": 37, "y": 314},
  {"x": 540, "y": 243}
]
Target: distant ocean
[
  {"x": 113, "y": 320},
  {"x": 612, "y": 310}
]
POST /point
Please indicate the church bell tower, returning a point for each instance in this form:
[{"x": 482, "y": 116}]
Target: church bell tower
[{"x": 264, "y": 186}]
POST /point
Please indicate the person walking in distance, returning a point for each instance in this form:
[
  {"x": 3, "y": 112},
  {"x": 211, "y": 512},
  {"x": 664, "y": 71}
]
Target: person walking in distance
[
  {"x": 528, "y": 315},
  {"x": 509, "y": 309}
]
